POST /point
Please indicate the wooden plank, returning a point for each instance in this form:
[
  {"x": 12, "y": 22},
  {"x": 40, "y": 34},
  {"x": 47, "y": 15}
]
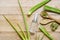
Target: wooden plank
[
  {"x": 11, "y": 10},
  {"x": 4, "y": 26},
  {"x": 11, "y": 7},
  {"x": 14, "y": 36}
]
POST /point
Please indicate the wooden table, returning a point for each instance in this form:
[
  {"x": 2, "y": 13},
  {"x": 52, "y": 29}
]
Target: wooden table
[{"x": 10, "y": 9}]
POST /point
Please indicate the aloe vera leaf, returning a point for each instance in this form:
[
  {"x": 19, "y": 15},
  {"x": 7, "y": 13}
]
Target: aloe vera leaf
[
  {"x": 22, "y": 31},
  {"x": 20, "y": 35},
  {"x": 45, "y": 32},
  {"x": 24, "y": 19},
  {"x": 39, "y": 5},
  {"x": 49, "y": 8}
]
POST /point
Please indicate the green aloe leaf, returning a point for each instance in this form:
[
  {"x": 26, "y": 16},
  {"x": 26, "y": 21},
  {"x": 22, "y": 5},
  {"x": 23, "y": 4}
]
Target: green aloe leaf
[
  {"x": 39, "y": 5},
  {"x": 45, "y": 32},
  {"x": 52, "y": 9}
]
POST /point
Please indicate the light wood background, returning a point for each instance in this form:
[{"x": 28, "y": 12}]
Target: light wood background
[{"x": 10, "y": 9}]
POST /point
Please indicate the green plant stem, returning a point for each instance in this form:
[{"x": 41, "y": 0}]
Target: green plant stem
[
  {"x": 24, "y": 18},
  {"x": 14, "y": 27},
  {"x": 45, "y": 32},
  {"x": 22, "y": 31},
  {"x": 39, "y": 5},
  {"x": 48, "y": 8}
]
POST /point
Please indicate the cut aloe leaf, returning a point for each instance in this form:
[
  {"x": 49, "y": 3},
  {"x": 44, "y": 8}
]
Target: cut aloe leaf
[
  {"x": 39, "y": 5},
  {"x": 52, "y": 9},
  {"x": 45, "y": 32}
]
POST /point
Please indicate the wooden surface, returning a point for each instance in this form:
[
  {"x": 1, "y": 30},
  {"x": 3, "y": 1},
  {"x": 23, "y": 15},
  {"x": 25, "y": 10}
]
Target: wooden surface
[{"x": 11, "y": 10}]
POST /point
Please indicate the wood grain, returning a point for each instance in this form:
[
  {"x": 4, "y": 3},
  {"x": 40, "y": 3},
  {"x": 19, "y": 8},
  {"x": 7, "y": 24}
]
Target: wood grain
[{"x": 10, "y": 9}]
